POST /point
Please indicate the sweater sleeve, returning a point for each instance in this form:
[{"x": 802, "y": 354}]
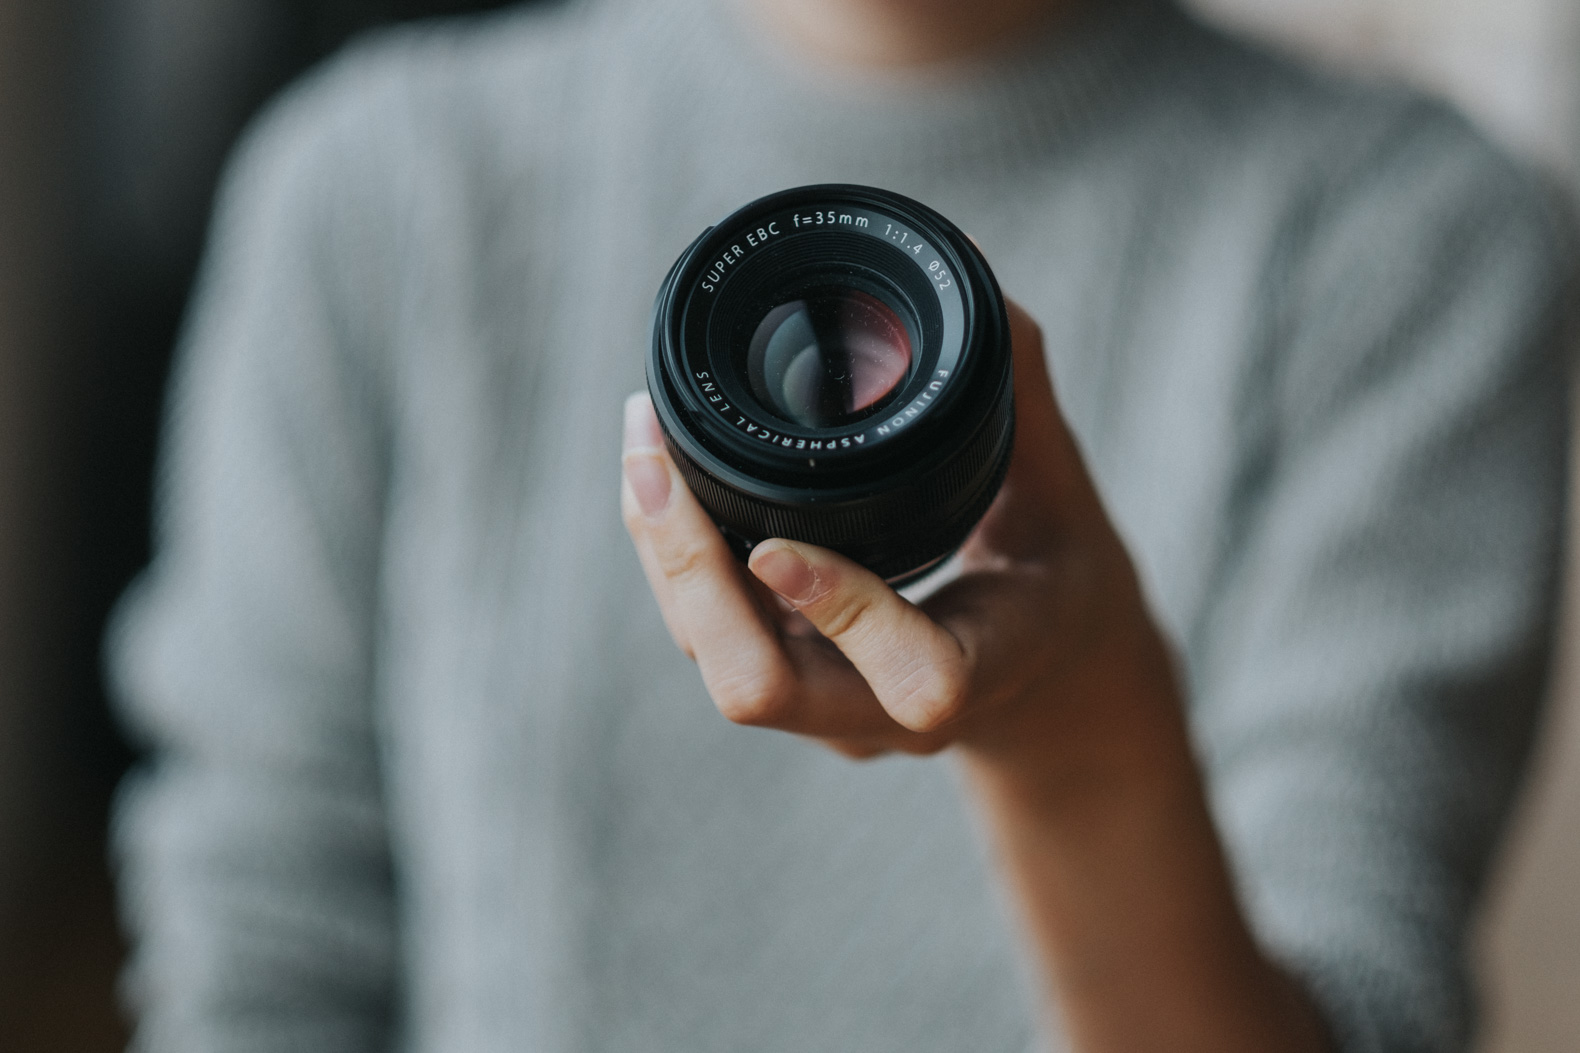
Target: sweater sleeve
[
  {"x": 1366, "y": 686},
  {"x": 253, "y": 844}
]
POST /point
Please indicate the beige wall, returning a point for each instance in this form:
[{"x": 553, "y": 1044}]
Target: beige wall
[
  {"x": 1512, "y": 64},
  {"x": 1515, "y": 66}
]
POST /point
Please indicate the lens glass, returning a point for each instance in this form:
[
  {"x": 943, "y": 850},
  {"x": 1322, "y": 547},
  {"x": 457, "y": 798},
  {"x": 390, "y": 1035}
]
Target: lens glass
[{"x": 828, "y": 358}]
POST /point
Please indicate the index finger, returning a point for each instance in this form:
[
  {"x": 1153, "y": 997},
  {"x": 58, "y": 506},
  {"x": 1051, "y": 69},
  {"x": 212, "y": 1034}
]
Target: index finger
[
  {"x": 915, "y": 667},
  {"x": 737, "y": 649}
]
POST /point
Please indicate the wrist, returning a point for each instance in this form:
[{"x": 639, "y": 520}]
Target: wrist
[{"x": 1112, "y": 729}]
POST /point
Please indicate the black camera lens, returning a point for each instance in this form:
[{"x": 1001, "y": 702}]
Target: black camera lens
[{"x": 831, "y": 364}]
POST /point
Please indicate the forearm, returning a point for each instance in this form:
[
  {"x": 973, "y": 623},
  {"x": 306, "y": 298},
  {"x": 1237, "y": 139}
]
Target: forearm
[{"x": 1124, "y": 888}]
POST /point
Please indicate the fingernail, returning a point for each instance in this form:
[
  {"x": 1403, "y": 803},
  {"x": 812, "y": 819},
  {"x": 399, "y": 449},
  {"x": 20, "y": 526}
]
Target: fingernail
[
  {"x": 787, "y": 572},
  {"x": 648, "y": 477},
  {"x": 641, "y": 426}
]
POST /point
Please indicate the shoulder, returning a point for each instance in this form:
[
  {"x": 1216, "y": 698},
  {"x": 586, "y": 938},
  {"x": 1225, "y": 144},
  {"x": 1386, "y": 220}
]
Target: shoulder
[
  {"x": 1232, "y": 104},
  {"x": 1310, "y": 169},
  {"x": 407, "y": 111},
  {"x": 364, "y": 180},
  {"x": 1380, "y": 207}
]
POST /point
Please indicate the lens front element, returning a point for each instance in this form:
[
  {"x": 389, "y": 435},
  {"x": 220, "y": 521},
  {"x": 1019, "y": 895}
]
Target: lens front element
[{"x": 828, "y": 358}]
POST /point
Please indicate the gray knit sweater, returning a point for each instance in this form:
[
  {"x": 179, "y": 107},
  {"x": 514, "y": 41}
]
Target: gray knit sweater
[{"x": 427, "y": 773}]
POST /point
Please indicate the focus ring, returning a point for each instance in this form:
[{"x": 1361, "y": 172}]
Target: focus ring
[{"x": 890, "y": 533}]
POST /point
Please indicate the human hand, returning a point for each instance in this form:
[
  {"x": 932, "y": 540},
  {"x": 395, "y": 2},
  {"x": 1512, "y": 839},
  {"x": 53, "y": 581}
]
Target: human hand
[
  {"x": 1040, "y": 657},
  {"x": 1041, "y": 664}
]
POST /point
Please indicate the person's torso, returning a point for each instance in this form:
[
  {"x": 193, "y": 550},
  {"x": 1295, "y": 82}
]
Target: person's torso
[{"x": 589, "y": 856}]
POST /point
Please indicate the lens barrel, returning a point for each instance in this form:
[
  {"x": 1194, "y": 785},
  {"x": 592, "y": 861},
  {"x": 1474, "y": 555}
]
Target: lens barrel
[{"x": 831, "y": 364}]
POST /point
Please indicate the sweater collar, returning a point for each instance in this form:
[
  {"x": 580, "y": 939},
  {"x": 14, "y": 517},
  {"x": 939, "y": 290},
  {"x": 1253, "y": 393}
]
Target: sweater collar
[{"x": 1014, "y": 105}]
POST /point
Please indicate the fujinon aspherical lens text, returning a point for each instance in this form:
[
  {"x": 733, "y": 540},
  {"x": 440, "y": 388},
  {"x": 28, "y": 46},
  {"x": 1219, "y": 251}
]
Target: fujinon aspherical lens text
[{"x": 831, "y": 364}]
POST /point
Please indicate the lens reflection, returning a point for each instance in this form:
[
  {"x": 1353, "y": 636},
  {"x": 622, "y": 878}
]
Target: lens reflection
[{"x": 823, "y": 360}]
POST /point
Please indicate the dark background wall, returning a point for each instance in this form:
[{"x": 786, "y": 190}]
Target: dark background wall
[
  {"x": 32, "y": 273},
  {"x": 115, "y": 119}
]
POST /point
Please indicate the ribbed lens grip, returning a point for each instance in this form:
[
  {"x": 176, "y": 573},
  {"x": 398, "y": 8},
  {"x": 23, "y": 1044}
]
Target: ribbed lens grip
[{"x": 891, "y": 533}]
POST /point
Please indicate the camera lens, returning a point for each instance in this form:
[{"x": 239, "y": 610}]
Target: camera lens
[
  {"x": 829, "y": 358},
  {"x": 831, "y": 364}
]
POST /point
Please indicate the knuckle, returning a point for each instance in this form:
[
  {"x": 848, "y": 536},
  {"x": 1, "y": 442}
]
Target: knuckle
[
  {"x": 938, "y": 700},
  {"x": 846, "y": 617},
  {"x": 753, "y": 699},
  {"x": 681, "y": 558}
]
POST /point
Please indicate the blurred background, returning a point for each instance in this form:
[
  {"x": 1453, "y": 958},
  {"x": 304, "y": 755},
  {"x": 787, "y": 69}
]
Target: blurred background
[{"x": 115, "y": 116}]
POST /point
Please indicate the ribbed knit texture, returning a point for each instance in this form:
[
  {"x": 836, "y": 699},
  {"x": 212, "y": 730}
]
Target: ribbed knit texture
[{"x": 428, "y": 774}]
